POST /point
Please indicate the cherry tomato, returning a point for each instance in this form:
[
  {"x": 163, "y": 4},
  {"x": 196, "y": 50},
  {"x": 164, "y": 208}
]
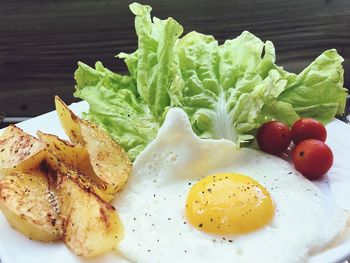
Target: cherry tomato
[
  {"x": 308, "y": 128},
  {"x": 313, "y": 158},
  {"x": 273, "y": 137}
]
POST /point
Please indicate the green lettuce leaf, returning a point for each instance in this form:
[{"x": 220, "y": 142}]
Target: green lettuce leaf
[
  {"x": 225, "y": 87},
  {"x": 227, "y": 90},
  {"x": 154, "y": 63},
  {"x": 318, "y": 92},
  {"x": 114, "y": 105},
  {"x": 131, "y": 108}
]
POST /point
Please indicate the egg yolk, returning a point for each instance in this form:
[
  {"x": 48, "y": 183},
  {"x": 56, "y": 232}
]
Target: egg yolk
[{"x": 229, "y": 203}]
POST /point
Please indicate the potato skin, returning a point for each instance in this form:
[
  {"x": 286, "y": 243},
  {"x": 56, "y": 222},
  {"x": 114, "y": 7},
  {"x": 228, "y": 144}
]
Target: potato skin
[
  {"x": 30, "y": 206},
  {"x": 91, "y": 225}
]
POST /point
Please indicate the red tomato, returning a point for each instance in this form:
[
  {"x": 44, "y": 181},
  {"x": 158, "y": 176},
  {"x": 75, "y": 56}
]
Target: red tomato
[
  {"x": 273, "y": 137},
  {"x": 308, "y": 128},
  {"x": 313, "y": 158}
]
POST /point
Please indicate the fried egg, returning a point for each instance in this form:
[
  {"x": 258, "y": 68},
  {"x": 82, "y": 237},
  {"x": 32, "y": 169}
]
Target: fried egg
[{"x": 195, "y": 200}]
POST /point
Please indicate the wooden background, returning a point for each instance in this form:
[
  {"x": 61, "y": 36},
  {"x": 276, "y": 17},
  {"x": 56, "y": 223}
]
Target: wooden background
[{"x": 41, "y": 41}]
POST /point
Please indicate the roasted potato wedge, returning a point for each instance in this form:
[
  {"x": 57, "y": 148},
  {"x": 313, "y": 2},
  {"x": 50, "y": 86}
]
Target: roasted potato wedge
[
  {"x": 109, "y": 161},
  {"x": 92, "y": 226},
  {"x": 19, "y": 150},
  {"x": 55, "y": 189},
  {"x": 30, "y": 205},
  {"x": 69, "y": 121},
  {"x": 72, "y": 160}
]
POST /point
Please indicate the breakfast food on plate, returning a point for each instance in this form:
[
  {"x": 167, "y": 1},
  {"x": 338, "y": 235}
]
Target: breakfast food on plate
[
  {"x": 181, "y": 114},
  {"x": 199, "y": 200},
  {"x": 207, "y": 201},
  {"x": 54, "y": 189},
  {"x": 228, "y": 90}
]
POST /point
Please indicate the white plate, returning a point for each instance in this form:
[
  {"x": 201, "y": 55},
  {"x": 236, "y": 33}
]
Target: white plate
[{"x": 15, "y": 248}]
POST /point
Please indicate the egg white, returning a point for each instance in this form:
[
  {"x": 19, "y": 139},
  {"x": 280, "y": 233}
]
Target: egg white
[{"x": 152, "y": 204}]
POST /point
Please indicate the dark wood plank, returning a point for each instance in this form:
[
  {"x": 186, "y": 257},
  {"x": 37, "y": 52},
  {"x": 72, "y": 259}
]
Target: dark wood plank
[{"x": 41, "y": 41}]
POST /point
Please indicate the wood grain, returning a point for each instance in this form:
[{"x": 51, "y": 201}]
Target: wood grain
[{"x": 41, "y": 41}]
